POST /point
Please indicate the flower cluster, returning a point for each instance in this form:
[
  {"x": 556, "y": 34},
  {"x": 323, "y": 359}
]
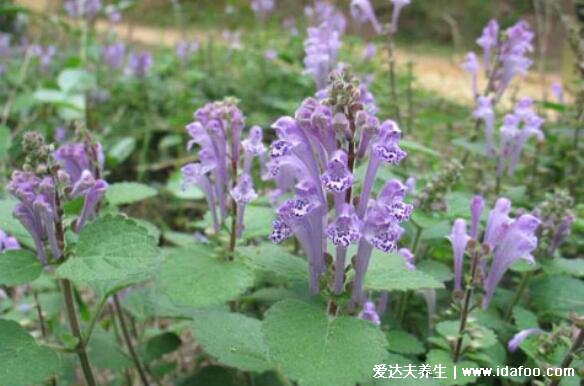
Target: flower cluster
[
  {"x": 186, "y": 49},
  {"x": 7, "y": 242},
  {"x": 556, "y": 221},
  {"x": 87, "y": 9},
  {"x": 323, "y": 41},
  {"x": 262, "y": 8},
  {"x": 41, "y": 190},
  {"x": 363, "y": 12},
  {"x": 217, "y": 131},
  {"x": 139, "y": 64},
  {"x": 517, "y": 128},
  {"x": 114, "y": 54},
  {"x": 506, "y": 239},
  {"x": 314, "y": 157}
]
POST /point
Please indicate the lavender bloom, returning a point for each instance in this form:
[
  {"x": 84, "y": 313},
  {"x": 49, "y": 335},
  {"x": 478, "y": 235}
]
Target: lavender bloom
[
  {"x": 114, "y": 16},
  {"x": 271, "y": 54},
  {"x": 289, "y": 23},
  {"x": 45, "y": 54},
  {"x": 82, "y": 8},
  {"x": 518, "y": 338},
  {"x": 477, "y": 205},
  {"x": 262, "y": 8},
  {"x": 484, "y": 111},
  {"x": 397, "y": 7},
  {"x": 185, "y": 50},
  {"x": 36, "y": 209},
  {"x": 343, "y": 231},
  {"x": 362, "y": 12},
  {"x": 140, "y": 64},
  {"x": 517, "y": 242},
  {"x": 4, "y": 44},
  {"x": 82, "y": 168},
  {"x": 513, "y": 55},
  {"x": 558, "y": 92},
  {"x": 488, "y": 41},
  {"x": 369, "y": 313},
  {"x": 517, "y": 128},
  {"x": 195, "y": 174},
  {"x": 370, "y": 52},
  {"x": 408, "y": 257},
  {"x": 243, "y": 194},
  {"x": 497, "y": 223},
  {"x": 561, "y": 232},
  {"x": 253, "y": 147},
  {"x": 321, "y": 48},
  {"x": 471, "y": 65},
  {"x": 7, "y": 242},
  {"x": 60, "y": 134},
  {"x": 325, "y": 12},
  {"x": 458, "y": 238},
  {"x": 113, "y": 55}
]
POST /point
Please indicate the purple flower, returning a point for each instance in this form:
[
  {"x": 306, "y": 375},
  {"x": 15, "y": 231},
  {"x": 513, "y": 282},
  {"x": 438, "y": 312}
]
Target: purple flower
[
  {"x": 498, "y": 222},
  {"x": 488, "y": 41},
  {"x": 369, "y": 52},
  {"x": 195, "y": 174},
  {"x": 477, "y": 205},
  {"x": 518, "y": 338},
  {"x": 7, "y": 242},
  {"x": 484, "y": 111},
  {"x": 558, "y": 92},
  {"x": 243, "y": 193},
  {"x": 513, "y": 55},
  {"x": 4, "y": 44},
  {"x": 113, "y": 55},
  {"x": 82, "y": 8},
  {"x": 114, "y": 16},
  {"x": 325, "y": 12},
  {"x": 362, "y": 12},
  {"x": 343, "y": 231},
  {"x": 517, "y": 242},
  {"x": 369, "y": 313},
  {"x": 185, "y": 50},
  {"x": 253, "y": 147},
  {"x": 517, "y": 128},
  {"x": 140, "y": 64},
  {"x": 262, "y": 8},
  {"x": 561, "y": 232},
  {"x": 471, "y": 65},
  {"x": 397, "y": 7},
  {"x": 45, "y": 54},
  {"x": 408, "y": 257},
  {"x": 289, "y": 23},
  {"x": 337, "y": 178},
  {"x": 458, "y": 238},
  {"x": 321, "y": 48}
]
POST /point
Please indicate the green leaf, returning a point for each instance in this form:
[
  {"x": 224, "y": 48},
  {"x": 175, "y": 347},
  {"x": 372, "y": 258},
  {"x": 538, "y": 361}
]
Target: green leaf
[
  {"x": 317, "y": 350},
  {"x": 437, "y": 270},
  {"x": 558, "y": 295},
  {"x": 19, "y": 267},
  {"x": 388, "y": 272},
  {"x": 5, "y": 141},
  {"x": 160, "y": 345},
  {"x": 234, "y": 339},
  {"x": 122, "y": 193},
  {"x": 274, "y": 259},
  {"x": 72, "y": 79},
  {"x": 122, "y": 149},
  {"x": 105, "y": 353},
  {"x": 195, "y": 278},
  {"x": 22, "y": 361},
  {"x": 211, "y": 376},
  {"x": 415, "y": 147},
  {"x": 112, "y": 252},
  {"x": 477, "y": 148},
  {"x": 150, "y": 302},
  {"x": 524, "y": 318},
  {"x": 560, "y": 265},
  {"x": 443, "y": 360},
  {"x": 404, "y": 343},
  {"x": 258, "y": 221}
]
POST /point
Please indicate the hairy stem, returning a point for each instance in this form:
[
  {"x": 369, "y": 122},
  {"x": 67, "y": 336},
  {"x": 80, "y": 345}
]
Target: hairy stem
[
  {"x": 74, "y": 324},
  {"x": 128, "y": 340},
  {"x": 466, "y": 307}
]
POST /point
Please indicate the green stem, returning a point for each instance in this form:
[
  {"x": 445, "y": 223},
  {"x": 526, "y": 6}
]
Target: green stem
[
  {"x": 567, "y": 361},
  {"x": 128, "y": 340},
  {"x": 94, "y": 319},
  {"x": 74, "y": 324},
  {"x": 524, "y": 281}
]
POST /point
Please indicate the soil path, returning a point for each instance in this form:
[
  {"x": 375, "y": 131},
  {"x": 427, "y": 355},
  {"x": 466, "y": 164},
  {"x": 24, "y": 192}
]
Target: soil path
[{"x": 438, "y": 74}]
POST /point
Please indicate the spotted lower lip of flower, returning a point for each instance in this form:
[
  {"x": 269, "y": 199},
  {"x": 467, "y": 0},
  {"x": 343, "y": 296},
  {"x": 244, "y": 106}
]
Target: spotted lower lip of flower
[
  {"x": 280, "y": 231},
  {"x": 337, "y": 178},
  {"x": 383, "y": 236},
  {"x": 243, "y": 192},
  {"x": 346, "y": 229}
]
